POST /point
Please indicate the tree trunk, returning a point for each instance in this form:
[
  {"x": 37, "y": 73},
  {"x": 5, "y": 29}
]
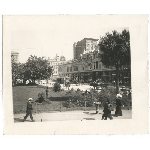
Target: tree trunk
[
  {"x": 85, "y": 106},
  {"x": 117, "y": 79},
  {"x": 97, "y": 108},
  {"x": 24, "y": 81},
  {"x": 33, "y": 81},
  {"x": 13, "y": 81}
]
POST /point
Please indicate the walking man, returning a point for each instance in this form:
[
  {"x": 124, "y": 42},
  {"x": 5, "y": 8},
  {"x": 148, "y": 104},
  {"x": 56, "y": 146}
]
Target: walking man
[
  {"x": 29, "y": 110},
  {"x": 107, "y": 111},
  {"x": 46, "y": 92}
]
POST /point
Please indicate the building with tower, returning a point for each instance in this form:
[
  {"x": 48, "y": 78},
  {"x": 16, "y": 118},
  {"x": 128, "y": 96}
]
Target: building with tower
[
  {"x": 84, "y": 46},
  {"x": 55, "y": 62}
]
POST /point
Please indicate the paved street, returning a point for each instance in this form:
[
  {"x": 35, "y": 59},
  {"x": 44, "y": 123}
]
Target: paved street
[{"x": 70, "y": 115}]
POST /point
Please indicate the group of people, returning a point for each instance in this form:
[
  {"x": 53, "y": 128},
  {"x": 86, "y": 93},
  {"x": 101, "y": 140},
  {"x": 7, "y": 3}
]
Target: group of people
[{"x": 108, "y": 108}]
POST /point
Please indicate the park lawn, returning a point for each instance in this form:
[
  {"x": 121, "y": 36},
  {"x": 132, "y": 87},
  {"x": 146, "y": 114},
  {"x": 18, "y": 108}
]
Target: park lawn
[{"x": 22, "y": 93}]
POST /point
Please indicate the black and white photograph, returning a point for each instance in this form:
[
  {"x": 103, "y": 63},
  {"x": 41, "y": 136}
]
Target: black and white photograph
[{"x": 70, "y": 68}]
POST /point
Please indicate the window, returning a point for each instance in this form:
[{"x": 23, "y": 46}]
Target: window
[
  {"x": 96, "y": 64},
  {"x": 67, "y": 69},
  {"x": 100, "y": 65},
  {"x": 94, "y": 56},
  {"x": 75, "y": 68},
  {"x": 70, "y": 69}
]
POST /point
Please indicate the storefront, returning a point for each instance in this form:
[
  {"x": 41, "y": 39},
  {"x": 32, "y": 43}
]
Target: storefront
[
  {"x": 102, "y": 75},
  {"x": 86, "y": 77}
]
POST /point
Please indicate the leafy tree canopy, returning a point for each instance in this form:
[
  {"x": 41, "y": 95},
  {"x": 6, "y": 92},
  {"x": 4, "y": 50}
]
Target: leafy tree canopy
[
  {"x": 116, "y": 48},
  {"x": 34, "y": 68},
  {"x": 37, "y": 68}
]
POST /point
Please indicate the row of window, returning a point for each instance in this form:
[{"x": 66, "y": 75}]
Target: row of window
[
  {"x": 55, "y": 72},
  {"x": 96, "y": 65},
  {"x": 55, "y": 67},
  {"x": 53, "y": 63}
]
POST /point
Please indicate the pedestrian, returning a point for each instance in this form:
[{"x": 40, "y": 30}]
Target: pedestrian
[
  {"x": 29, "y": 110},
  {"x": 94, "y": 84},
  {"x": 107, "y": 111},
  {"x": 129, "y": 98},
  {"x": 118, "y": 111},
  {"x": 68, "y": 84},
  {"x": 46, "y": 92}
]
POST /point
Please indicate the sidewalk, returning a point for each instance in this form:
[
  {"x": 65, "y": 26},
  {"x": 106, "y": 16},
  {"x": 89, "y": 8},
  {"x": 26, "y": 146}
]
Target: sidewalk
[{"x": 70, "y": 115}]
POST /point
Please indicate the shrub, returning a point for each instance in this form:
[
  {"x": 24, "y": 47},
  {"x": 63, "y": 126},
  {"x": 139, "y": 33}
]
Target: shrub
[
  {"x": 108, "y": 93},
  {"x": 62, "y": 90},
  {"x": 56, "y": 87},
  {"x": 77, "y": 99},
  {"x": 40, "y": 98},
  {"x": 126, "y": 97}
]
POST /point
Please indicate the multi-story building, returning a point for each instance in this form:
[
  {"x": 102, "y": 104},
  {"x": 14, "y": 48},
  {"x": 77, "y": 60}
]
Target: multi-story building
[
  {"x": 88, "y": 67},
  {"x": 55, "y": 64},
  {"x": 84, "y": 46},
  {"x": 15, "y": 56}
]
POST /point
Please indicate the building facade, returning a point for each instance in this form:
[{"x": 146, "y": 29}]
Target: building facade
[
  {"x": 84, "y": 46},
  {"x": 88, "y": 68},
  {"x": 15, "y": 56},
  {"x": 55, "y": 62}
]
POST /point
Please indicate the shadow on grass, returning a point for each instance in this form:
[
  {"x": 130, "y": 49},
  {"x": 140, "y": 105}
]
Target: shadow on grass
[
  {"x": 95, "y": 113},
  {"x": 33, "y": 87},
  {"x": 89, "y": 118},
  {"x": 20, "y": 120},
  {"x": 91, "y": 113},
  {"x": 86, "y": 112},
  {"x": 115, "y": 115},
  {"x": 58, "y": 98}
]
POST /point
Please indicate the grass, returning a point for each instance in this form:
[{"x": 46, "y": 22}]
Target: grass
[{"x": 22, "y": 93}]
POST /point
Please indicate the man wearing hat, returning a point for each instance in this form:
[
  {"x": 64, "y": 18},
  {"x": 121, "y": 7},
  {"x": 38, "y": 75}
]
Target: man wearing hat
[
  {"x": 29, "y": 110},
  {"x": 107, "y": 111}
]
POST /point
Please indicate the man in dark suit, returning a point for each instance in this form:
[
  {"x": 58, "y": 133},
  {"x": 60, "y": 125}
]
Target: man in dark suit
[
  {"x": 29, "y": 110},
  {"x": 107, "y": 111}
]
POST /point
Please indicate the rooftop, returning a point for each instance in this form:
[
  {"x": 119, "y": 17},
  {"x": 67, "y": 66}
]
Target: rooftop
[
  {"x": 91, "y": 39},
  {"x": 13, "y": 52}
]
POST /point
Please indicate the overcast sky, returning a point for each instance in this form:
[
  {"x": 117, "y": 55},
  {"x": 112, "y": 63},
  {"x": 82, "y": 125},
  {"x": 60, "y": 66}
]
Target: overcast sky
[{"x": 51, "y": 35}]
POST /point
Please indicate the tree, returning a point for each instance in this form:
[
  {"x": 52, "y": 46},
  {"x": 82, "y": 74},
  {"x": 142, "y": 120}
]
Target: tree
[
  {"x": 17, "y": 71},
  {"x": 14, "y": 68},
  {"x": 62, "y": 58},
  {"x": 116, "y": 51},
  {"x": 37, "y": 68}
]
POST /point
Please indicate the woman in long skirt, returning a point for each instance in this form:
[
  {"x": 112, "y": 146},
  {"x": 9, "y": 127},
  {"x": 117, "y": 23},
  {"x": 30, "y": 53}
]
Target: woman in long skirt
[{"x": 118, "y": 111}]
